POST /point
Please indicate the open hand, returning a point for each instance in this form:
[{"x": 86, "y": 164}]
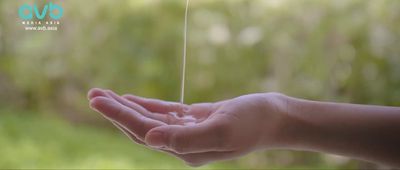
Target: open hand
[{"x": 197, "y": 133}]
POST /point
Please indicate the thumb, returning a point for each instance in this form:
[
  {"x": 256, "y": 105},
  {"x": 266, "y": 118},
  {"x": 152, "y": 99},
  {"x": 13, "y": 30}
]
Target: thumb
[{"x": 203, "y": 137}]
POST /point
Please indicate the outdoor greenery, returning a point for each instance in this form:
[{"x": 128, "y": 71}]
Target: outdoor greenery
[{"x": 336, "y": 50}]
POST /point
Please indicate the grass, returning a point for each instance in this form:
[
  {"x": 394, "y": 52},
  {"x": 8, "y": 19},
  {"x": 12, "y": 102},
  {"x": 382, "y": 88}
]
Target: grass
[{"x": 28, "y": 141}]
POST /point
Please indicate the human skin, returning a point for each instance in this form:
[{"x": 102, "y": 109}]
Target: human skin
[{"x": 232, "y": 128}]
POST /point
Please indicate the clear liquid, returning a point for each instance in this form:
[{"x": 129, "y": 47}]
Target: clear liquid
[
  {"x": 185, "y": 120},
  {"x": 185, "y": 28}
]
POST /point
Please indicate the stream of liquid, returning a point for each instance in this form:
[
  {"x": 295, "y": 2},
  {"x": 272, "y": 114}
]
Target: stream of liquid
[
  {"x": 185, "y": 28},
  {"x": 179, "y": 117}
]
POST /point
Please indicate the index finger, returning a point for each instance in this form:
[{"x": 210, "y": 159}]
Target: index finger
[
  {"x": 127, "y": 117},
  {"x": 158, "y": 106}
]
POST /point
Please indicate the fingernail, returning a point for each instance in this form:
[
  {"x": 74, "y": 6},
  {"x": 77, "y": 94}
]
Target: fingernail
[{"x": 155, "y": 139}]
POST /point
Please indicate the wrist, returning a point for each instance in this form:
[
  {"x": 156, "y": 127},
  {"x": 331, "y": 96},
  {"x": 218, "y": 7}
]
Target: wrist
[
  {"x": 302, "y": 129},
  {"x": 291, "y": 128}
]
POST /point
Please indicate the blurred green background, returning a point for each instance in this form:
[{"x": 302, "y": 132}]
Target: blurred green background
[{"x": 335, "y": 50}]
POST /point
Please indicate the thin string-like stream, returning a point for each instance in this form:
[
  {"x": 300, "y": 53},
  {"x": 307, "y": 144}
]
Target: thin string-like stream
[
  {"x": 184, "y": 119},
  {"x": 184, "y": 53}
]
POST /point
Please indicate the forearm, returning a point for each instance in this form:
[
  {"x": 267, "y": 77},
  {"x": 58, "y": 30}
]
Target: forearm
[{"x": 359, "y": 131}]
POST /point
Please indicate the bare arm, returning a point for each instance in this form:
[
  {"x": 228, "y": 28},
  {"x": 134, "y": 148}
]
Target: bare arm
[
  {"x": 208, "y": 132},
  {"x": 361, "y": 131}
]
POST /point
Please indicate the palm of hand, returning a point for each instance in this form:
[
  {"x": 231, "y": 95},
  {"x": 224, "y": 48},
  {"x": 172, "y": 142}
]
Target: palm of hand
[{"x": 197, "y": 134}]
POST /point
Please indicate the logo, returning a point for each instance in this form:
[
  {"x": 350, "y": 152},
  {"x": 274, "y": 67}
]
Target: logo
[
  {"x": 41, "y": 18},
  {"x": 40, "y": 15}
]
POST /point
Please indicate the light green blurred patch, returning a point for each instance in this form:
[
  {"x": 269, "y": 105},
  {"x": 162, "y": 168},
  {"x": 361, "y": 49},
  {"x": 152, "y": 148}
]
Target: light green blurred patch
[
  {"x": 30, "y": 141},
  {"x": 36, "y": 142}
]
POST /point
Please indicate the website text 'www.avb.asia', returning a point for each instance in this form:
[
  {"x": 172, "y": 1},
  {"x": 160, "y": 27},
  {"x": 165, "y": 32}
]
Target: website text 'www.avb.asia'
[{"x": 41, "y": 28}]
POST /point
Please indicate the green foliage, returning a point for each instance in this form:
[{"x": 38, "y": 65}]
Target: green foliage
[{"x": 338, "y": 50}]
